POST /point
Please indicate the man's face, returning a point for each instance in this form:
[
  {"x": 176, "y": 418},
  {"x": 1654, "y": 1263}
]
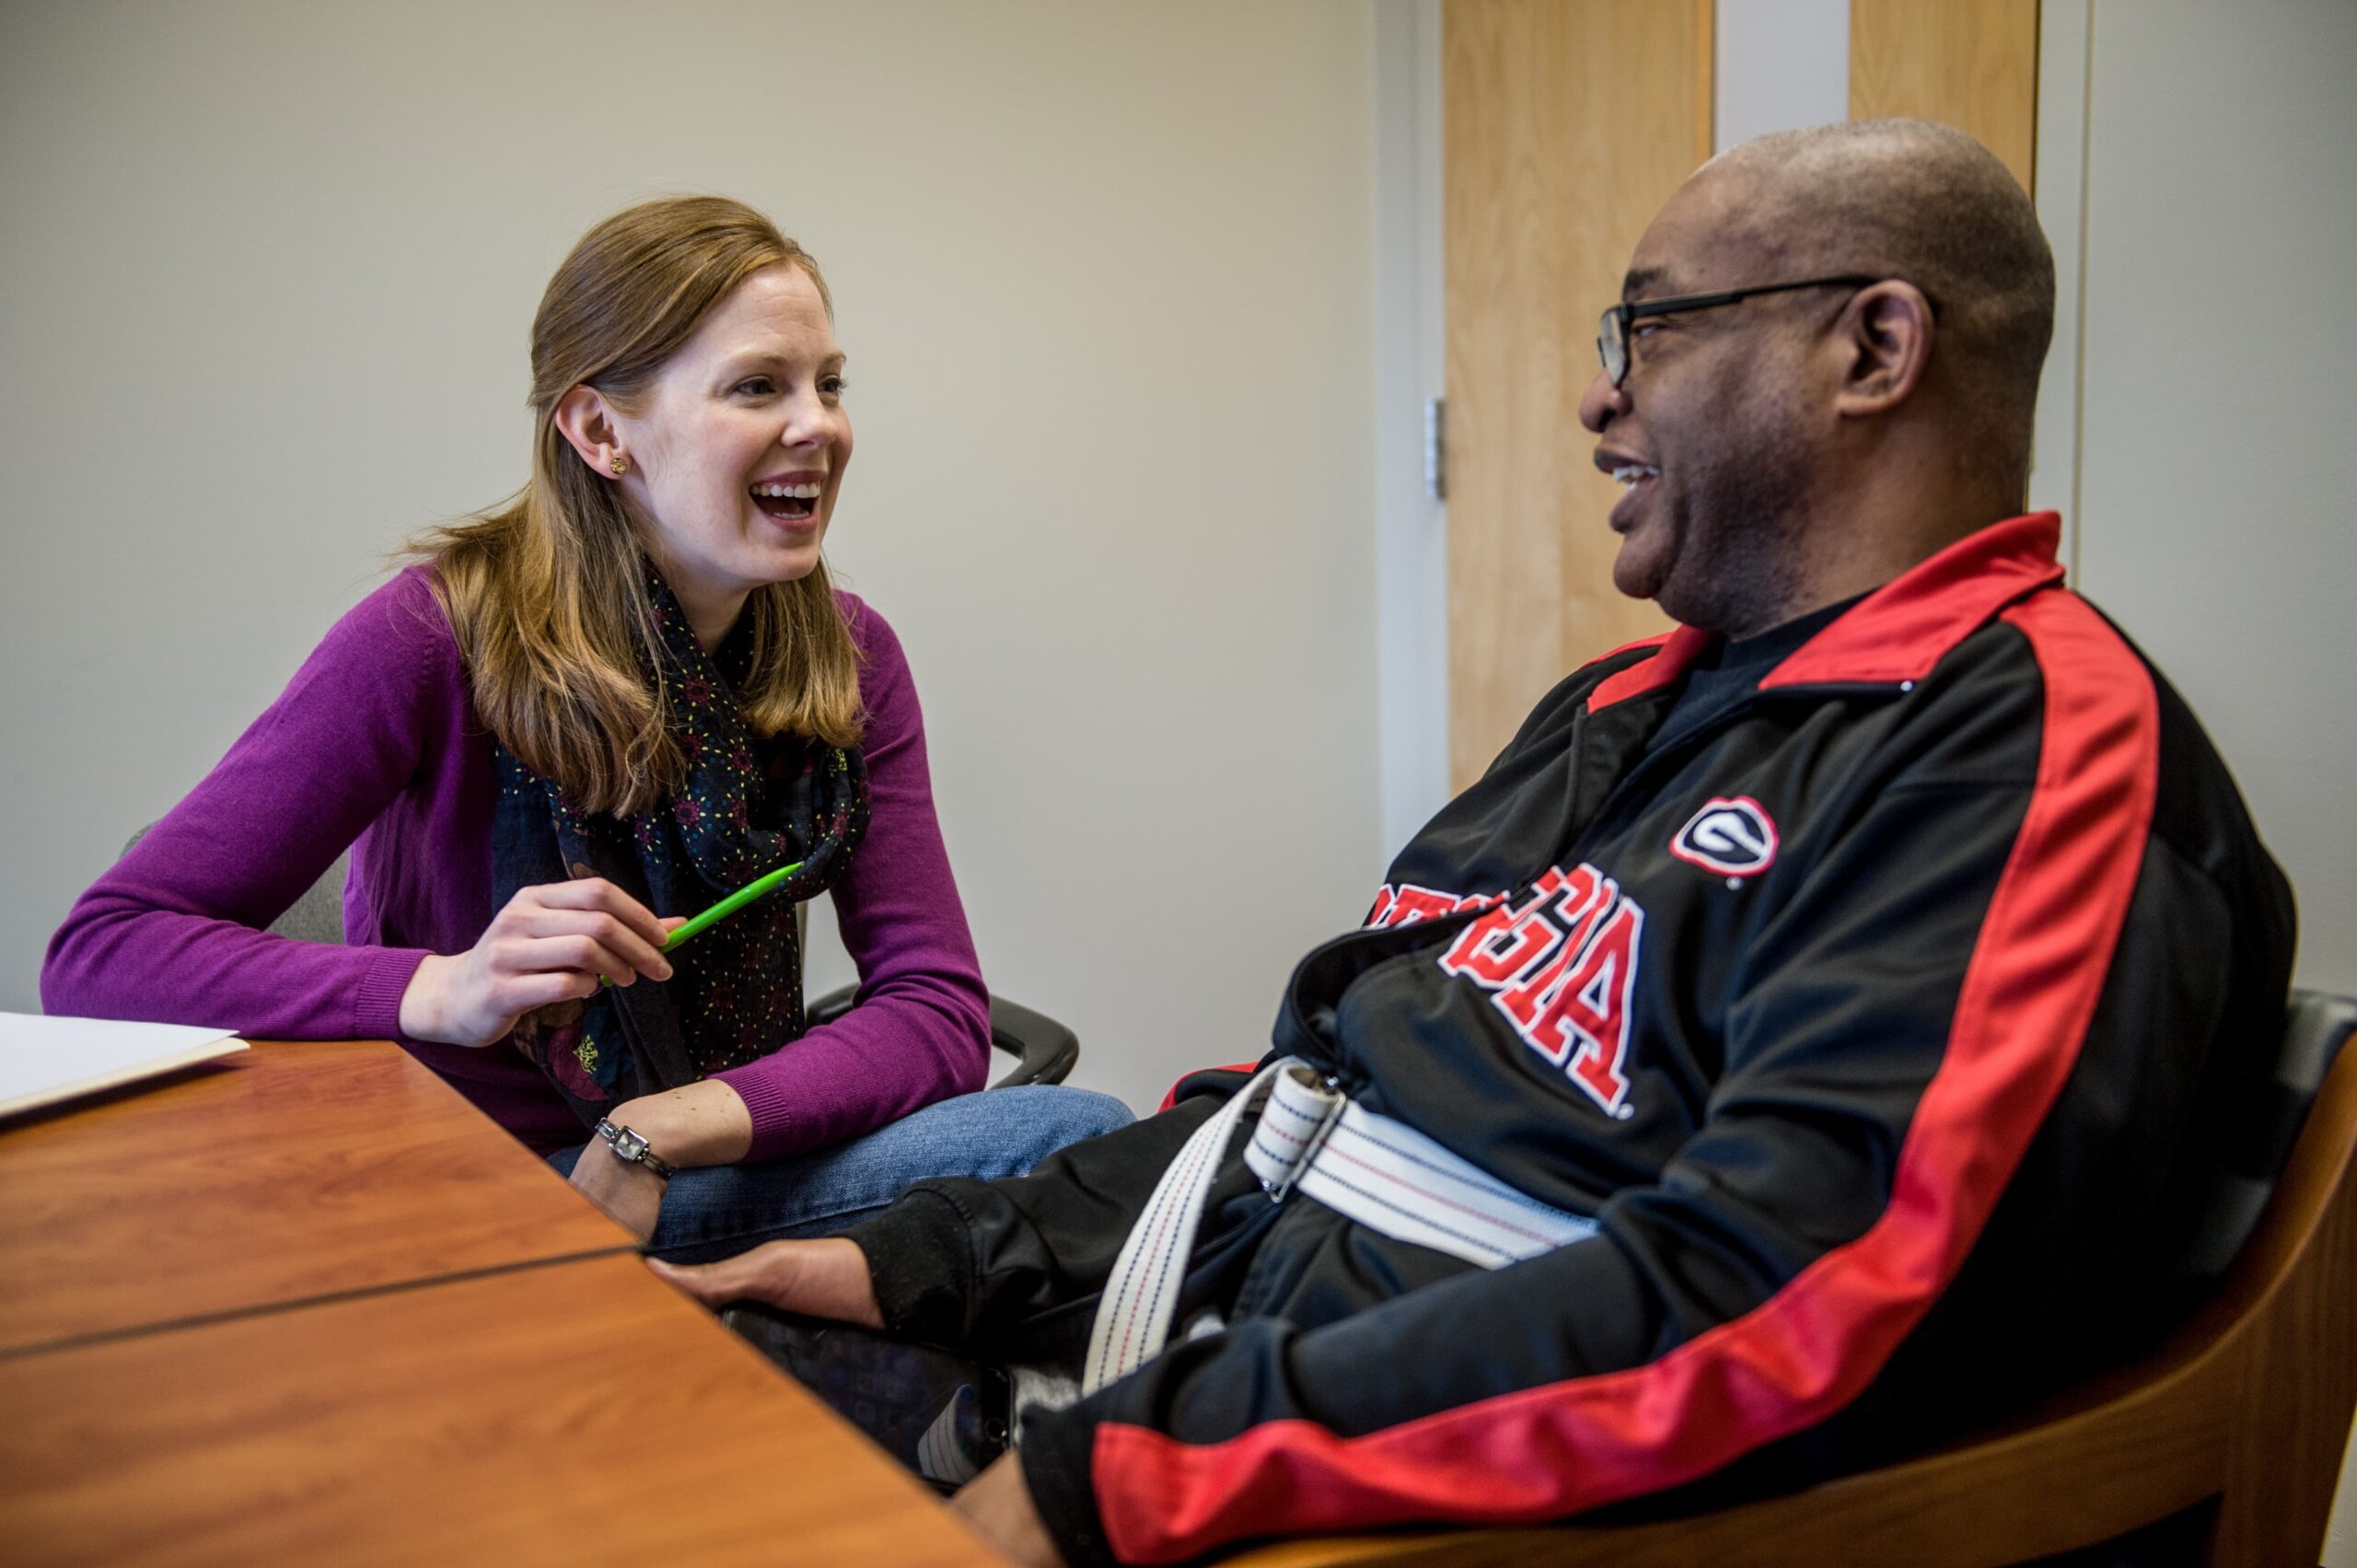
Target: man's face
[{"x": 1710, "y": 430}]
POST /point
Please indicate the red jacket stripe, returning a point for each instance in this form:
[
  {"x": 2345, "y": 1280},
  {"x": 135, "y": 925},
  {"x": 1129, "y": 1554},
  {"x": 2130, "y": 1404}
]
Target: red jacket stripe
[
  {"x": 1678, "y": 649},
  {"x": 1909, "y": 624},
  {"x": 2029, "y": 992}
]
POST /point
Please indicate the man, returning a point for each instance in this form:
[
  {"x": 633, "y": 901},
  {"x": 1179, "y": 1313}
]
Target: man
[{"x": 1794, "y": 1047}]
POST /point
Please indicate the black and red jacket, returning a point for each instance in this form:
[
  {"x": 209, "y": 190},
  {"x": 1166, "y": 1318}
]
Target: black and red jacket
[{"x": 1875, "y": 1020}]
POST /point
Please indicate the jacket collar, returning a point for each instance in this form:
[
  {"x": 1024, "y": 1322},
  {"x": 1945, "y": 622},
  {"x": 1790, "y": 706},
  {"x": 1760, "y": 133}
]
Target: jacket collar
[{"x": 1896, "y": 634}]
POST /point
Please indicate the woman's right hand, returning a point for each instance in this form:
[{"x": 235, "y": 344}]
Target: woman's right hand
[{"x": 551, "y": 944}]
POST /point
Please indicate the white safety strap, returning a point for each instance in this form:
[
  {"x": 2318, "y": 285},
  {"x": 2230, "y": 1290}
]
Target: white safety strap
[
  {"x": 1134, "y": 1315},
  {"x": 1388, "y": 1177},
  {"x": 1300, "y": 1113},
  {"x": 1371, "y": 1168}
]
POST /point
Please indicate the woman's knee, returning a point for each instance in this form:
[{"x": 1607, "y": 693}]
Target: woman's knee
[{"x": 1036, "y": 1120}]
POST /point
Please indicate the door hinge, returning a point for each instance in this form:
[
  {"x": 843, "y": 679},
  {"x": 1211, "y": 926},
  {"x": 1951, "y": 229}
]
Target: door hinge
[{"x": 1436, "y": 448}]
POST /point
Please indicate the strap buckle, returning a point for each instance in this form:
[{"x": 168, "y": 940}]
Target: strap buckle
[{"x": 1300, "y": 1116}]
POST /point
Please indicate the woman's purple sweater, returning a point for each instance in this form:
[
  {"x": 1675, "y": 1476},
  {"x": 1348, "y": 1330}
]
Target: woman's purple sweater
[{"x": 375, "y": 745}]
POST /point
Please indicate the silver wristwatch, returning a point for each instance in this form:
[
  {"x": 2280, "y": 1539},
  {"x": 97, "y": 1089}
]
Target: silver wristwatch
[{"x": 630, "y": 1149}]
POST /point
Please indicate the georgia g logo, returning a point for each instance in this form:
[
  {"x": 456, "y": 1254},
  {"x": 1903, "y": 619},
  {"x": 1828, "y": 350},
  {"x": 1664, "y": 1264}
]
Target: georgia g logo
[{"x": 1734, "y": 838}]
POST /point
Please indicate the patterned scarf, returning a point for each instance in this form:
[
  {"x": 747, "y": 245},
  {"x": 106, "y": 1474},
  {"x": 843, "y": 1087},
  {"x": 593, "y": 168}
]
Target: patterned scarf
[{"x": 748, "y": 807}]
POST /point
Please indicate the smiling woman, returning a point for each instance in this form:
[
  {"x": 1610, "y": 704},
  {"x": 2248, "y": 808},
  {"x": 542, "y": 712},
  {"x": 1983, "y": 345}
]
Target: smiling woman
[
  {"x": 577, "y": 720},
  {"x": 683, "y": 356}
]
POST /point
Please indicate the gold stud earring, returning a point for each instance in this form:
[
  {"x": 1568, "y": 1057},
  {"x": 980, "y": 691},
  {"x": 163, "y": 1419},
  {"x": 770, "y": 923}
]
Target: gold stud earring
[{"x": 618, "y": 464}]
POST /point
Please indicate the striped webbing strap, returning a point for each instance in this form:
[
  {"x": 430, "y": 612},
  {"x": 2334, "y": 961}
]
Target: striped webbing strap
[{"x": 1369, "y": 1167}]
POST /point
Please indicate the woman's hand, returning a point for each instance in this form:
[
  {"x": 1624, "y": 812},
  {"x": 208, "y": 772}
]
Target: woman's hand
[
  {"x": 700, "y": 1124},
  {"x": 828, "y": 1278},
  {"x": 551, "y": 944},
  {"x": 630, "y": 1193}
]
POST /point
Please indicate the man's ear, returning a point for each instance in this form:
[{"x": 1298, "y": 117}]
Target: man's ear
[
  {"x": 587, "y": 423},
  {"x": 1886, "y": 336}
]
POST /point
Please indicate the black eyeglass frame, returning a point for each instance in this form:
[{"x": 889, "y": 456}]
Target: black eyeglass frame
[{"x": 1612, "y": 327}]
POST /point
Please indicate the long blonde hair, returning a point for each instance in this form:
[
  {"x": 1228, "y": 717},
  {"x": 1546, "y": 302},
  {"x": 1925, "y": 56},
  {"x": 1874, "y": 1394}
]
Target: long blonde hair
[{"x": 548, "y": 598}]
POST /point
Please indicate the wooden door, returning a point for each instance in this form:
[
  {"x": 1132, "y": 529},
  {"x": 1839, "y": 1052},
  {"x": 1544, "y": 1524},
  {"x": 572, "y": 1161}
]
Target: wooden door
[
  {"x": 1566, "y": 123},
  {"x": 1969, "y": 63}
]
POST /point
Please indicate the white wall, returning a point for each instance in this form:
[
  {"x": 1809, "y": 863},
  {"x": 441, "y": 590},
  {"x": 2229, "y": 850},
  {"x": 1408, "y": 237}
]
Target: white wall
[
  {"x": 2218, "y": 441},
  {"x": 2217, "y": 432},
  {"x": 1105, "y": 277},
  {"x": 1411, "y": 524},
  {"x": 1780, "y": 66}
]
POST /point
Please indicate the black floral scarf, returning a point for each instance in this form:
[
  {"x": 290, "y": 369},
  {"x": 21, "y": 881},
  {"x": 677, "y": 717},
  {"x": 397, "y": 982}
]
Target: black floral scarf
[{"x": 748, "y": 807}]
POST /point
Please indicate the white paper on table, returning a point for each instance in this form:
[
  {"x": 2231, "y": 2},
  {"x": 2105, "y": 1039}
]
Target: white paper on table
[{"x": 43, "y": 1061}]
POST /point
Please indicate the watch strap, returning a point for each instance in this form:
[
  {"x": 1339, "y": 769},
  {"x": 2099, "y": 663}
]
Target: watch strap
[{"x": 630, "y": 1147}]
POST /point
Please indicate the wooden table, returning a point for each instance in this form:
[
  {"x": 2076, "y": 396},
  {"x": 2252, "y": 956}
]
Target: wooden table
[
  {"x": 286, "y": 1173},
  {"x": 309, "y": 1305}
]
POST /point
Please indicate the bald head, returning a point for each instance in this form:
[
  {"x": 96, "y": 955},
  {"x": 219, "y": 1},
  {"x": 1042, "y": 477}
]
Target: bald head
[
  {"x": 1855, "y": 391},
  {"x": 1914, "y": 200}
]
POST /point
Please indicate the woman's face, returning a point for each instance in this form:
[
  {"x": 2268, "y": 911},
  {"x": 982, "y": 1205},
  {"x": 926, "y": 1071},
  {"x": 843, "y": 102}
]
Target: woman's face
[{"x": 739, "y": 448}]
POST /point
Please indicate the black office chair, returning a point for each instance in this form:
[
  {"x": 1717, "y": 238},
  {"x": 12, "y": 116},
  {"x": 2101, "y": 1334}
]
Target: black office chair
[{"x": 1044, "y": 1051}]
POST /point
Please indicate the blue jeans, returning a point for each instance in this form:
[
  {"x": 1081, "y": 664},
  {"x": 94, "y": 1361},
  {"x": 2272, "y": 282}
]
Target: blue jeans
[{"x": 713, "y": 1211}]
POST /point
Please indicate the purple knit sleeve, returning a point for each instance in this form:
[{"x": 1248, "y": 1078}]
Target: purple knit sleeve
[
  {"x": 173, "y": 932},
  {"x": 920, "y": 1029}
]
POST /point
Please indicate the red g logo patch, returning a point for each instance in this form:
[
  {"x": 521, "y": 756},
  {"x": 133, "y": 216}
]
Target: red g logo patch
[{"x": 1732, "y": 838}]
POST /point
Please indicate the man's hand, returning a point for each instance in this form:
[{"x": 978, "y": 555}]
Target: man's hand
[
  {"x": 998, "y": 1505},
  {"x": 827, "y": 1278}
]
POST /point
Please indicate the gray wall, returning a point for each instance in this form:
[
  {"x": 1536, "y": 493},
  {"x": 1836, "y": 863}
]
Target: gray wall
[
  {"x": 2217, "y": 479},
  {"x": 1109, "y": 279},
  {"x": 1105, "y": 276},
  {"x": 2218, "y": 432},
  {"x": 2197, "y": 173}
]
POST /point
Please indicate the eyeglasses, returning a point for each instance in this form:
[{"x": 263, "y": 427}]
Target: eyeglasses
[{"x": 1612, "y": 330}]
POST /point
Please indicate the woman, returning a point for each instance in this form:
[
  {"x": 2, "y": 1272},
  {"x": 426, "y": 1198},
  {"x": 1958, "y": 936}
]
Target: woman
[{"x": 577, "y": 720}]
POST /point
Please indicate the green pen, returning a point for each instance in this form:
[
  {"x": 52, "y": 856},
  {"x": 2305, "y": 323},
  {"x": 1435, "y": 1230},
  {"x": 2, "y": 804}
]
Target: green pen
[{"x": 761, "y": 887}]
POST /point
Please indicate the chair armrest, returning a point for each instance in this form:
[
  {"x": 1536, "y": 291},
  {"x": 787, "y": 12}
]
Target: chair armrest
[{"x": 1044, "y": 1051}]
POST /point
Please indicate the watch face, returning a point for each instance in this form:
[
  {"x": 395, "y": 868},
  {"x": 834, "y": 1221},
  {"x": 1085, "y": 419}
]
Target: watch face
[{"x": 628, "y": 1144}]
